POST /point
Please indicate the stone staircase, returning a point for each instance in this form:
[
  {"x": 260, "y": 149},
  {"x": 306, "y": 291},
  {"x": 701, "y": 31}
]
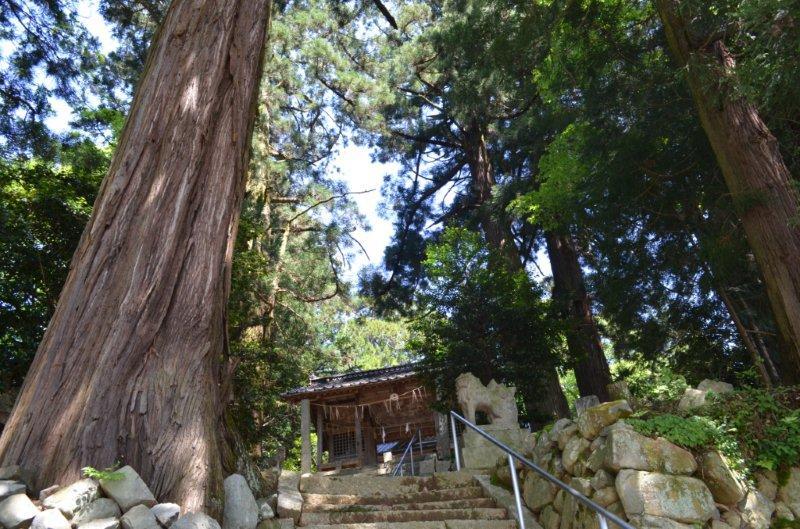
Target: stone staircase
[{"x": 450, "y": 500}]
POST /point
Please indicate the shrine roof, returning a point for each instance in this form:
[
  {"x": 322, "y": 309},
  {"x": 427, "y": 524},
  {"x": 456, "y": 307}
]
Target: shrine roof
[{"x": 323, "y": 384}]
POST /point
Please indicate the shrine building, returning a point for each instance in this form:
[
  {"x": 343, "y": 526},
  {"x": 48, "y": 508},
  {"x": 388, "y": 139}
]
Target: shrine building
[{"x": 362, "y": 418}]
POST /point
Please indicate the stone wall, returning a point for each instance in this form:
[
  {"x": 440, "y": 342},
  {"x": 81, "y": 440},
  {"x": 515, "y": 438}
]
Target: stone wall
[
  {"x": 652, "y": 483},
  {"x": 122, "y": 500}
]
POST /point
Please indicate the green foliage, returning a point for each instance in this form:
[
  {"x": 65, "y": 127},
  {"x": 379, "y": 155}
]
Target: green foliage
[
  {"x": 43, "y": 209},
  {"x": 766, "y": 424},
  {"x": 107, "y": 474},
  {"x": 368, "y": 342},
  {"x": 652, "y": 383},
  {"x": 480, "y": 317},
  {"x": 294, "y": 454},
  {"x": 754, "y": 428},
  {"x": 688, "y": 432},
  {"x": 783, "y": 523}
]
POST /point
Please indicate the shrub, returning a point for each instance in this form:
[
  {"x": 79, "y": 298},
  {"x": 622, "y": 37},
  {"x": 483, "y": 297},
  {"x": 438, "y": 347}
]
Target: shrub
[
  {"x": 107, "y": 474},
  {"x": 766, "y": 424}
]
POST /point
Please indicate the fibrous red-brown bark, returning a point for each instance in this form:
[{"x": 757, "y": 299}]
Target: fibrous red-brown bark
[
  {"x": 583, "y": 340},
  {"x": 752, "y": 165},
  {"x": 130, "y": 367}
]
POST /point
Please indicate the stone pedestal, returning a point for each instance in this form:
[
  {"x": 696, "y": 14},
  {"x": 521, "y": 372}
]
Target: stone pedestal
[{"x": 478, "y": 453}]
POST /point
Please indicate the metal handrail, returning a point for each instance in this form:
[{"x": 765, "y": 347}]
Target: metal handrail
[
  {"x": 409, "y": 449},
  {"x": 602, "y": 514}
]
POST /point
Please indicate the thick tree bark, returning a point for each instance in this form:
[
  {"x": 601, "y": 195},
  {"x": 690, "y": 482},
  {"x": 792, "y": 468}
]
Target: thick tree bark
[
  {"x": 583, "y": 339},
  {"x": 130, "y": 367},
  {"x": 553, "y": 402},
  {"x": 754, "y": 170}
]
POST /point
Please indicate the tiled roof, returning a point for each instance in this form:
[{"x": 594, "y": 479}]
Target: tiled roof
[{"x": 352, "y": 379}]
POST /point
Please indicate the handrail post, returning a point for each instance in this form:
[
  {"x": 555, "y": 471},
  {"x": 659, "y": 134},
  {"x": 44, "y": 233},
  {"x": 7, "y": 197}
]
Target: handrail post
[
  {"x": 411, "y": 445},
  {"x": 603, "y": 514},
  {"x": 515, "y": 481},
  {"x": 455, "y": 441}
]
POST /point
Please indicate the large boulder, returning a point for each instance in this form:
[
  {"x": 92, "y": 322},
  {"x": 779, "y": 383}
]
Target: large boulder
[
  {"x": 99, "y": 508},
  {"x": 11, "y": 472},
  {"x": 767, "y": 483},
  {"x": 715, "y": 386},
  {"x": 657, "y": 522},
  {"x": 573, "y": 451},
  {"x": 549, "y": 518},
  {"x": 564, "y": 435},
  {"x": 558, "y": 427},
  {"x": 290, "y": 501},
  {"x": 789, "y": 492},
  {"x": 605, "y": 496},
  {"x": 73, "y": 498},
  {"x": 166, "y": 513},
  {"x": 102, "y": 523},
  {"x": 537, "y": 491},
  {"x": 584, "y": 403},
  {"x": 627, "y": 449},
  {"x": 139, "y": 517},
  {"x": 195, "y": 520},
  {"x": 725, "y": 484},
  {"x": 128, "y": 491},
  {"x": 241, "y": 509},
  {"x": 602, "y": 479},
  {"x": 592, "y": 420},
  {"x": 692, "y": 399},
  {"x": 756, "y": 510},
  {"x": 50, "y": 519},
  {"x": 17, "y": 512},
  {"x": 265, "y": 510},
  {"x": 9, "y": 488},
  {"x": 680, "y": 498}
]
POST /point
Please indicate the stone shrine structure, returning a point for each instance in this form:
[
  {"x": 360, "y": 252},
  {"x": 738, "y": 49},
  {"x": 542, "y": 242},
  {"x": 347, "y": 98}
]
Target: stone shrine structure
[{"x": 497, "y": 402}]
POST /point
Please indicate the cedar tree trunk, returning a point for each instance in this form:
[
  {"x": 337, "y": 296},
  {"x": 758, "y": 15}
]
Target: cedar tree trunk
[
  {"x": 130, "y": 368},
  {"x": 583, "y": 340},
  {"x": 552, "y": 402},
  {"x": 754, "y": 170}
]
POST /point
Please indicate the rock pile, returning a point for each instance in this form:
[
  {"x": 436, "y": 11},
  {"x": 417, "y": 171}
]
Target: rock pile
[
  {"x": 121, "y": 503},
  {"x": 652, "y": 483}
]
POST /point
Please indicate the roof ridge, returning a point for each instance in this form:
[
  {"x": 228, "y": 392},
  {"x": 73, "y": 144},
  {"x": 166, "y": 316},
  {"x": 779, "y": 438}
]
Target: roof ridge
[{"x": 354, "y": 378}]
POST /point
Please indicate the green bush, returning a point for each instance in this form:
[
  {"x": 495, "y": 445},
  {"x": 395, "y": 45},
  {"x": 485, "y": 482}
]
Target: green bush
[
  {"x": 656, "y": 385},
  {"x": 688, "y": 432},
  {"x": 754, "y": 428},
  {"x": 107, "y": 474},
  {"x": 766, "y": 424}
]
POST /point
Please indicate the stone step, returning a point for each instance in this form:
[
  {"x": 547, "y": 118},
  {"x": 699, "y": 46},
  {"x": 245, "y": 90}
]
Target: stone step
[
  {"x": 366, "y": 485},
  {"x": 473, "y": 503},
  {"x": 383, "y": 498},
  {"x": 443, "y": 524},
  {"x": 357, "y": 516}
]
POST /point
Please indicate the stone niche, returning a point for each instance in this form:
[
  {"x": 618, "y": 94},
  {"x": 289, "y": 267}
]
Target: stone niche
[{"x": 497, "y": 402}]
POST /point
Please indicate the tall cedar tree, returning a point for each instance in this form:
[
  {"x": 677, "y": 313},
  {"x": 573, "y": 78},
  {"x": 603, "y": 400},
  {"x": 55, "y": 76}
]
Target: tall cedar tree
[
  {"x": 750, "y": 159},
  {"x": 132, "y": 365}
]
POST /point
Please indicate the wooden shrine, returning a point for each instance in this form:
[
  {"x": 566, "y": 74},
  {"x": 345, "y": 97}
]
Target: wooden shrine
[{"x": 360, "y": 416}]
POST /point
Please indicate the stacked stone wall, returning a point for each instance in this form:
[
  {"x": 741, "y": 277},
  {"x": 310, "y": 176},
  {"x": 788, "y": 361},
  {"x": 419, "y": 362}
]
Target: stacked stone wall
[{"x": 650, "y": 482}]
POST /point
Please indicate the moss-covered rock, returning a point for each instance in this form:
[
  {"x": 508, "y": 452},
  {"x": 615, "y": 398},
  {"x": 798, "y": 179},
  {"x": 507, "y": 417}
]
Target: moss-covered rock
[
  {"x": 680, "y": 498},
  {"x": 725, "y": 484},
  {"x": 592, "y": 420},
  {"x": 626, "y": 449}
]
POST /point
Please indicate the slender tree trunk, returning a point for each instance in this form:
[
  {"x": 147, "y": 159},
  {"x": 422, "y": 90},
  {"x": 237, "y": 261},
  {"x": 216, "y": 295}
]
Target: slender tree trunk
[
  {"x": 754, "y": 170},
  {"x": 583, "y": 339},
  {"x": 553, "y": 402},
  {"x": 130, "y": 366},
  {"x": 749, "y": 344}
]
